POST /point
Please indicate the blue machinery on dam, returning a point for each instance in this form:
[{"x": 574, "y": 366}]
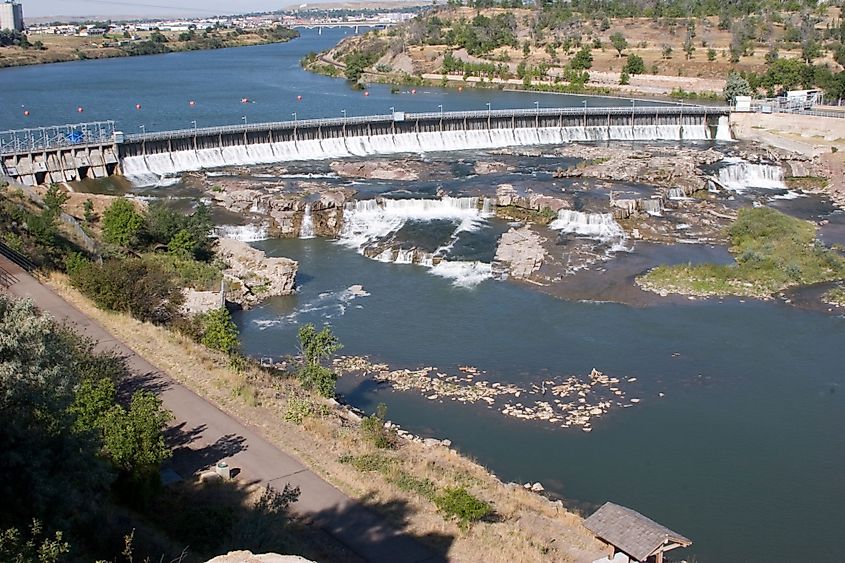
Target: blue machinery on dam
[{"x": 95, "y": 150}]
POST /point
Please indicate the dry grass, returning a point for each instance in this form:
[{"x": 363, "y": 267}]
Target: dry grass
[{"x": 527, "y": 528}]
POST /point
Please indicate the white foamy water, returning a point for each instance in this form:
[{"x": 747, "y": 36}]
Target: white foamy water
[
  {"x": 307, "y": 228},
  {"x": 244, "y": 233},
  {"x": 739, "y": 175},
  {"x": 329, "y": 305},
  {"x": 600, "y": 226},
  {"x": 149, "y": 169},
  {"x": 723, "y": 130},
  {"x": 462, "y": 273},
  {"x": 369, "y": 222}
]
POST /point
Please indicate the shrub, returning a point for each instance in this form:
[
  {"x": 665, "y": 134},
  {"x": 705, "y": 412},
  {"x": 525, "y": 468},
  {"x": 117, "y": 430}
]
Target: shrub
[
  {"x": 624, "y": 78},
  {"x": 369, "y": 462},
  {"x": 131, "y": 286},
  {"x": 298, "y": 410},
  {"x": 316, "y": 347},
  {"x": 219, "y": 332},
  {"x": 456, "y": 503},
  {"x": 373, "y": 429},
  {"x": 634, "y": 65},
  {"x": 122, "y": 223},
  {"x": 408, "y": 483}
]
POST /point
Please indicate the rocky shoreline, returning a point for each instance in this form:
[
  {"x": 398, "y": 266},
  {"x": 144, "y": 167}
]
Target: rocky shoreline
[{"x": 568, "y": 402}]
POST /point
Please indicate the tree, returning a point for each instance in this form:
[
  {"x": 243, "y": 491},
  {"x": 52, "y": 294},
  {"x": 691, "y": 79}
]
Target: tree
[
  {"x": 624, "y": 78},
  {"x": 619, "y": 43},
  {"x": 735, "y": 86},
  {"x": 316, "y": 347},
  {"x": 666, "y": 51},
  {"x": 219, "y": 332},
  {"x": 689, "y": 47},
  {"x": 810, "y": 50},
  {"x": 634, "y": 65},
  {"x": 711, "y": 54},
  {"x": 583, "y": 59},
  {"x": 122, "y": 223}
]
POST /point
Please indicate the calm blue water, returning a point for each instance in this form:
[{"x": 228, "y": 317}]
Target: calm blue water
[
  {"x": 745, "y": 452},
  {"x": 217, "y": 81}
]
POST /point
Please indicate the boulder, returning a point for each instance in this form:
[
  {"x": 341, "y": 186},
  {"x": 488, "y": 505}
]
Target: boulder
[
  {"x": 249, "y": 557},
  {"x": 520, "y": 253},
  {"x": 251, "y": 276}
]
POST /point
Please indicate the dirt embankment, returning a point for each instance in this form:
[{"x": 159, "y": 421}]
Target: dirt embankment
[{"x": 528, "y": 527}]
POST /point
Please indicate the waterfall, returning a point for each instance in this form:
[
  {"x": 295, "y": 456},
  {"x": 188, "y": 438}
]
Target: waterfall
[
  {"x": 676, "y": 193},
  {"x": 739, "y": 175},
  {"x": 244, "y": 233},
  {"x": 652, "y": 206},
  {"x": 600, "y": 226},
  {"x": 307, "y": 228},
  {"x": 369, "y": 225},
  {"x": 487, "y": 207},
  {"x": 149, "y": 169},
  {"x": 723, "y": 129}
]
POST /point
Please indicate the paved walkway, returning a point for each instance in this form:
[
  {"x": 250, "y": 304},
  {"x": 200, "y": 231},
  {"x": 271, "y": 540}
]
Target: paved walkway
[{"x": 212, "y": 435}]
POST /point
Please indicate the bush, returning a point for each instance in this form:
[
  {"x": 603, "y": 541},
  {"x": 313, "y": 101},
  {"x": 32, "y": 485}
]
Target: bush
[
  {"x": 219, "y": 332},
  {"x": 316, "y": 347},
  {"x": 122, "y": 223},
  {"x": 373, "y": 429},
  {"x": 456, "y": 503},
  {"x": 634, "y": 65},
  {"x": 624, "y": 78},
  {"x": 298, "y": 410},
  {"x": 130, "y": 286}
]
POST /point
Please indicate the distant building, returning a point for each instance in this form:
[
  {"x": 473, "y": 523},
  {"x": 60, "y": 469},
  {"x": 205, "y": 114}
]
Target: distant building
[{"x": 11, "y": 15}]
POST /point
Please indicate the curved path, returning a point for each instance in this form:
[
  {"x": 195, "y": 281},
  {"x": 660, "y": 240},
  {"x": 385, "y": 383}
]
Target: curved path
[{"x": 209, "y": 435}]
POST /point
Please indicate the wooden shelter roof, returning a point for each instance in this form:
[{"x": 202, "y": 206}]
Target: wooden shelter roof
[{"x": 630, "y": 531}]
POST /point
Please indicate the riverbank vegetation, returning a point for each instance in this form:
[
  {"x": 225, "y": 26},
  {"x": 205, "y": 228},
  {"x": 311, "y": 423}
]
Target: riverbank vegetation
[
  {"x": 835, "y": 296},
  {"x": 429, "y": 490},
  {"x": 39, "y": 49},
  {"x": 772, "y": 252},
  {"x": 631, "y": 46}
]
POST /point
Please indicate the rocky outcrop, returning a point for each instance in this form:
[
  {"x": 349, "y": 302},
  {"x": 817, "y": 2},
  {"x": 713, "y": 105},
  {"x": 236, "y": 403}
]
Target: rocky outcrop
[
  {"x": 520, "y": 253},
  {"x": 376, "y": 170},
  {"x": 197, "y": 302},
  {"x": 508, "y": 196},
  {"x": 286, "y": 210},
  {"x": 249, "y": 557},
  {"x": 251, "y": 276},
  {"x": 486, "y": 167}
]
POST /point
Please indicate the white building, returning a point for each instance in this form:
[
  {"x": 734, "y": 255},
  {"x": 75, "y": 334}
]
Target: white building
[{"x": 11, "y": 15}]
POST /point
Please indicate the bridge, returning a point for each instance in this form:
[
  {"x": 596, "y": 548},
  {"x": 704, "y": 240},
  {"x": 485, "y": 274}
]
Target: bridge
[{"x": 74, "y": 152}]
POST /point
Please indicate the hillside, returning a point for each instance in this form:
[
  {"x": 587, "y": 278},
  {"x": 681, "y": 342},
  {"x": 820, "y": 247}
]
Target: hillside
[{"x": 551, "y": 47}]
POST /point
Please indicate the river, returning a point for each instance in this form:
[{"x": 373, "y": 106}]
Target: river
[{"x": 737, "y": 439}]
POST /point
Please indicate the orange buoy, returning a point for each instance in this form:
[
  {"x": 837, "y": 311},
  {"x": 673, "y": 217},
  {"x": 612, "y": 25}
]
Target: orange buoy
[
  {"x": 80, "y": 109},
  {"x": 26, "y": 113},
  {"x": 460, "y": 88}
]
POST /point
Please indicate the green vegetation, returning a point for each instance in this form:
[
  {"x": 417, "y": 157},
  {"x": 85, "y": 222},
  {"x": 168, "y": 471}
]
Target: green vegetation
[
  {"x": 634, "y": 65},
  {"x": 375, "y": 432},
  {"x": 808, "y": 183},
  {"x": 132, "y": 285},
  {"x": 458, "y": 504},
  {"x": 219, "y": 332},
  {"x": 835, "y": 296},
  {"x": 317, "y": 347},
  {"x": 122, "y": 223},
  {"x": 772, "y": 251},
  {"x": 619, "y": 43},
  {"x": 68, "y": 444}
]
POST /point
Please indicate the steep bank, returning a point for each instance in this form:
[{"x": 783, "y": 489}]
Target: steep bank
[{"x": 528, "y": 526}]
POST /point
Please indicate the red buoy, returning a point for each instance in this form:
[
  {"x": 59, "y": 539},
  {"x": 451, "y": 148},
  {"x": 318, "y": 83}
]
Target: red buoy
[
  {"x": 192, "y": 103},
  {"x": 26, "y": 113},
  {"x": 244, "y": 100},
  {"x": 299, "y": 98},
  {"x": 80, "y": 109},
  {"x": 414, "y": 91},
  {"x": 366, "y": 93},
  {"x": 460, "y": 88},
  {"x": 138, "y": 106}
]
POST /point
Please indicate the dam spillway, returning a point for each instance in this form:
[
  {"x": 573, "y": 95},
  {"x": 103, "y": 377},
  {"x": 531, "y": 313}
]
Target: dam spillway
[{"x": 147, "y": 158}]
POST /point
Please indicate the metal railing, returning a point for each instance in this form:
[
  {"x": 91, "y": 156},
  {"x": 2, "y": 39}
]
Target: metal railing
[
  {"x": 58, "y": 136},
  {"x": 451, "y": 115}
]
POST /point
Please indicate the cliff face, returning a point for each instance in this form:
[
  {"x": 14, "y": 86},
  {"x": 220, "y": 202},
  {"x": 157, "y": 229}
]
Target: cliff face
[{"x": 251, "y": 276}]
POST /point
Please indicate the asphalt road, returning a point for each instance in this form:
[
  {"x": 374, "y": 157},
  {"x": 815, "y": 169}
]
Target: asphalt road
[{"x": 207, "y": 435}]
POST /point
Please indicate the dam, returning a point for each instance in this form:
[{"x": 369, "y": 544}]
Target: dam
[{"x": 75, "y": 152}]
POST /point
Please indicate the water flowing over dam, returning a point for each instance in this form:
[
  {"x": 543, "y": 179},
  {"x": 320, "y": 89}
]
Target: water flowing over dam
[
  {"x": 739, "y": 175},
  {"x": 149, "y": 158}
]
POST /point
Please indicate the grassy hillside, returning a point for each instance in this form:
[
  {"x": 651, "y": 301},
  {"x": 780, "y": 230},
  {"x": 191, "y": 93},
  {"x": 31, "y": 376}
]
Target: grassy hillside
[{"x": 659, "y": 46}]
